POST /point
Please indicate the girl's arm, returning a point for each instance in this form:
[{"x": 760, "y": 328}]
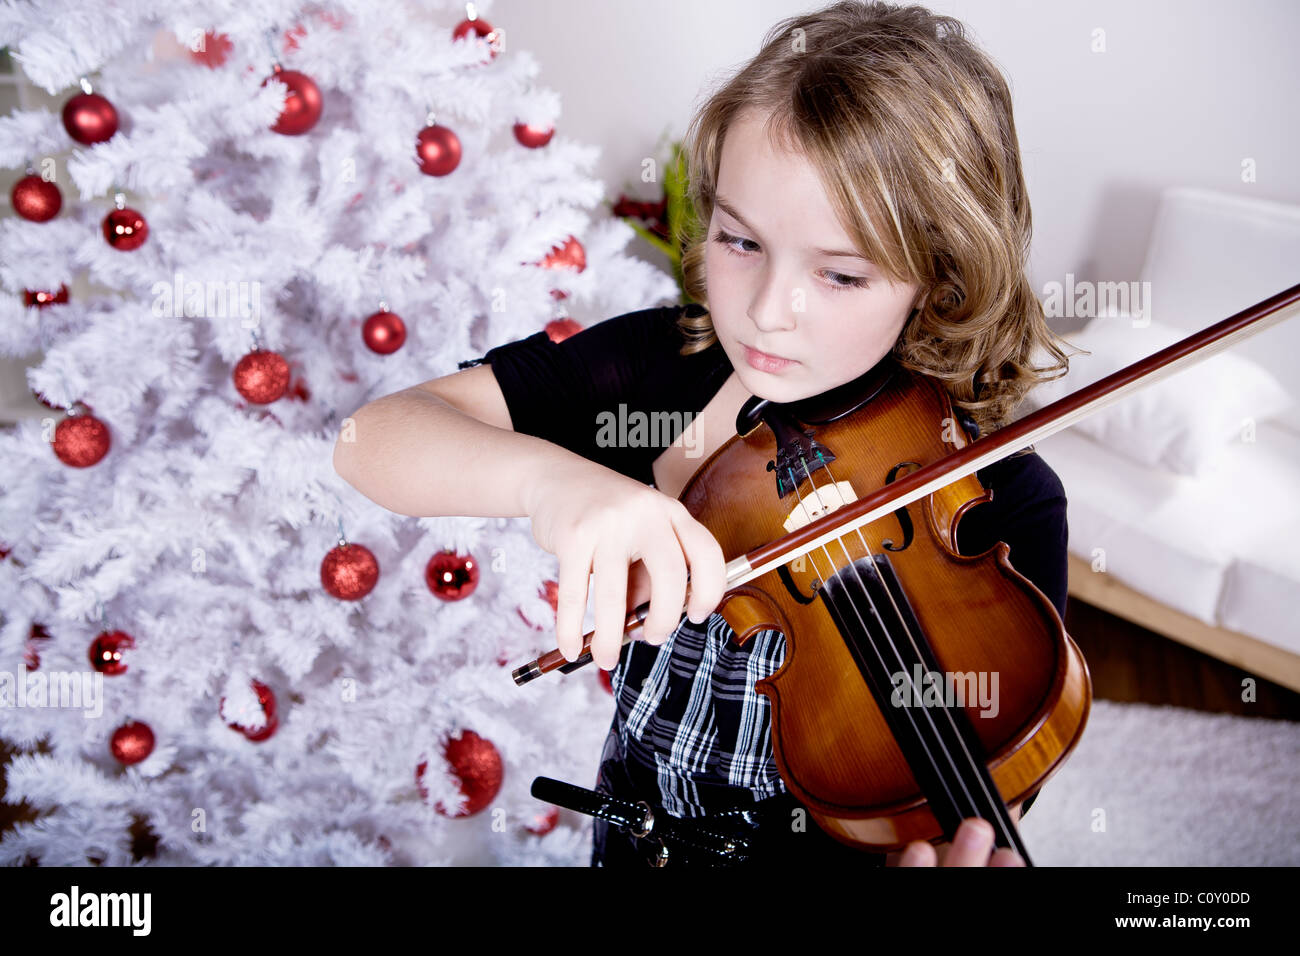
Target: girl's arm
[{"x": 446, "y": 447}]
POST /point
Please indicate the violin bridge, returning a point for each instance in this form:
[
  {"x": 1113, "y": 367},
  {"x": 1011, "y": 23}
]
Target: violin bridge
[{"x": 826, "y": 499}]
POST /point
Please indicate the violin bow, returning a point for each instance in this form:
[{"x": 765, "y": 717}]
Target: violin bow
[{"x": 977, "y": 454}]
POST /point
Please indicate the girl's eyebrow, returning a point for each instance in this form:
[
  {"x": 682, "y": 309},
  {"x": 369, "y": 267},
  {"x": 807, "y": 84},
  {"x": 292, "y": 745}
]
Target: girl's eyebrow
[{"x": 731, "y": 211}]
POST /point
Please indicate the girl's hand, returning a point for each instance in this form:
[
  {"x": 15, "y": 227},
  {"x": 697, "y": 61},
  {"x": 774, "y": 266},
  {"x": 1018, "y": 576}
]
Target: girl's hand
[
  {"x": 600, "y": 524},
  {"x": 970, "y": 847}
]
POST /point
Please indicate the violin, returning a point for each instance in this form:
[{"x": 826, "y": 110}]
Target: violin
[{"x": 843, "y": 510}]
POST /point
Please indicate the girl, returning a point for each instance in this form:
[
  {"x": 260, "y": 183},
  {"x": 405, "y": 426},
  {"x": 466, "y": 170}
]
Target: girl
[{"x": 860, "y": 200}]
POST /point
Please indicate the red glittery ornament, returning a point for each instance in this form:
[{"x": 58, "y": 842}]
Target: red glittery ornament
[
  {"x": 482, "y": 29},
  {"x": 302, "y": 102},
  {"x": 557, "y": 330},
  {"x": 477, "y": 766},
  {"x": 132, "y": 742},
  {"x": 81, "y": 440},
  {"x": 570, "y": 255},
  {"x": 261, "y": 376},
  {"x": 437, "y": 150},
  {"x": 89, "y": 118},
  {"x": 534, "y": 137},
  {"x": 266, "y": 701},
  {"x": 384, "y": 332},
  {"x": 35, "y": 199},
  {"x": 125, "y": 229},
  {"x": 349, "y": 572},
  {"x": 106, "y": 652},
  {"x": 451, "y": 576},
  {"x": 544, "y": 821},
  {"x": 215, "y": 47},
  {"x": 40, "y": 298}
]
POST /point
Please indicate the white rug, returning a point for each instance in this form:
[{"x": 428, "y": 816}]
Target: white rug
[{"x": 1166, "y": 786}]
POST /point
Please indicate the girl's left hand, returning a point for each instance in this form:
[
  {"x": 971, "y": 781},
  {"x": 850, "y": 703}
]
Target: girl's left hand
[{"x": 970, "y": 847}]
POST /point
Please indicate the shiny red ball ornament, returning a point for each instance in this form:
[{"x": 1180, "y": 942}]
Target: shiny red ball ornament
[
  {"x": 349, "y": 572},
  {"x": 132, "y": 742},
  {"x": 482, "y": 29},
  {"x": 35, "y": 199},
  {"x": 544, "y": 821},
  {"x": 302, "y": 103},
  {"x": 216, "y": 47},
  {"x": 451, "y": 576},
  {"x": 557, "y": 330},
  {"x": 261, "y": 376},
  {"x": 89, "y": 118},
  {"x": 81, "y": 440},
  {"x": 125, "y": 229},
  {"x": 437, "y": 150},
  {"x": 570, "y": 255},
  {"x": 266, "y": 701},
  {"x": 534, "y": 137},
  {"x": 478, "y": 768},
  {"x": 384, "y": 332},
  {"x": 40, "y": 298},
  {"x": 106, "y": 652}
]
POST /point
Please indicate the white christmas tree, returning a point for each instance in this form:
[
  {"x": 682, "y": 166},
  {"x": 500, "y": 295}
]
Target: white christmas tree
[{"x": 263, "y": 249}]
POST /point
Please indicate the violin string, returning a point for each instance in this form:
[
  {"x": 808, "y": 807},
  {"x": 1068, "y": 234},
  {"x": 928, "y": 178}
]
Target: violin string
[
  {"x": 912, "y": 640},
  {"x": 902, "y": 667},
  {"x": 916, "y": 731}
]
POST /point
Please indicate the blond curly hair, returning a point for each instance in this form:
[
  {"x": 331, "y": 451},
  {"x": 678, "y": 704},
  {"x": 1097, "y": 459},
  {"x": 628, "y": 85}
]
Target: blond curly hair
[{"x": 909, "y": 127}]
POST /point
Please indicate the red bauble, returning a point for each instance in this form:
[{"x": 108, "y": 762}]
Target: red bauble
[
  {"x": 132, "y": 742},
  {"x": 81, "y": 440},
  {"x": 125, "y": 229},
  {"x": 265, "y": 700},
  {"x": 451, "y": 576},
  {"x": 437, "y": 150},
  {"x": 35, "y": 199},
  {"x": 478, "y": 768},
  {"x": 557, "y": 330},
  {"x": 106, "y": 652},
  {"x": 349, "y": 572},
  {"x": 544, "y": 821},
  {"x": 480, "y": 28},
  {"x": 384, "y": 332},
  {"x": 261, "y": 376},
  {"x": 302, "y": 103},
  {"x": 570, "y": 255},
  {"x": 41, "y": 298},
  {"x": 89, "y": 118},
  {"x": 534, "y": 137},
  {"x": 216, "y": 47}
]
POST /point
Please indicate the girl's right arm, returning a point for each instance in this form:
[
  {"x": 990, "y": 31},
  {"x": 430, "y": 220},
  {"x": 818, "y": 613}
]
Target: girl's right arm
[{"x": 446, "y": 447}]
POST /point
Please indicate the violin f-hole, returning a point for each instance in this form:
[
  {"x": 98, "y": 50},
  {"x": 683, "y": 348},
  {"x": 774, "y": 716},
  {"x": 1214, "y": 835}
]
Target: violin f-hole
[{"x": 904, "y": 518}]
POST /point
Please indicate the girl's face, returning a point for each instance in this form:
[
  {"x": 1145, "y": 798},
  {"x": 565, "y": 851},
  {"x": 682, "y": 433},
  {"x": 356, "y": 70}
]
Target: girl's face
[{"x": 776, "y": 284}]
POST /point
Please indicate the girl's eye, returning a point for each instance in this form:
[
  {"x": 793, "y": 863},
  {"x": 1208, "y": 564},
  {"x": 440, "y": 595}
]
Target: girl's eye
[{"x": 837, "y": 279}]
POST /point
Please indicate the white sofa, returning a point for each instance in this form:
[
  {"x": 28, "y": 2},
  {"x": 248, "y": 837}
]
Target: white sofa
[{"x": 1210, "y": 558}]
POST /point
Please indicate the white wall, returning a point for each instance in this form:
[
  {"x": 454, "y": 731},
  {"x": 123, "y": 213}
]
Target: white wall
[{"x": 1186, "y": 90}]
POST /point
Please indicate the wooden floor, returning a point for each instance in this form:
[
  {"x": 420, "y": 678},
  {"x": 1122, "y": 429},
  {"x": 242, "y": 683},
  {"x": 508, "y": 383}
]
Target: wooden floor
[{"x": 1126, "y": 663}]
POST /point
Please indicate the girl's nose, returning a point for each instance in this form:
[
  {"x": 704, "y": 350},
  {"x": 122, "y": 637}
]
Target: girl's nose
[{"x": 773, "y": 305}]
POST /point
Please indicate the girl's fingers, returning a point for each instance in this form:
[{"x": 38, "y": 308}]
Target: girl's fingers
[
  {"x": 667, "y": 568},
  {"x": 571, "y": 601},
  {"x": 707, "y": 563},
  {"x": 610, "y": 572}
]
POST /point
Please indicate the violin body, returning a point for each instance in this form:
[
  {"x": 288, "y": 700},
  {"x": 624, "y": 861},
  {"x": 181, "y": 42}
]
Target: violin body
[{"x": 919, "y": 685}]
